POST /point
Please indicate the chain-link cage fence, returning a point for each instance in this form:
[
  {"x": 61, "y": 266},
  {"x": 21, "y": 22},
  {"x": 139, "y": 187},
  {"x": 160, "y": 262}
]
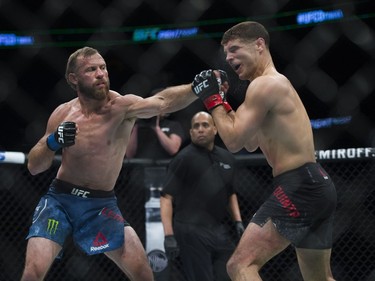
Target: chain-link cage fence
[
  {"x": 331, "y": 64},
  {"x": 329, "y": 60},
  {"x": 353, "y": 253}
]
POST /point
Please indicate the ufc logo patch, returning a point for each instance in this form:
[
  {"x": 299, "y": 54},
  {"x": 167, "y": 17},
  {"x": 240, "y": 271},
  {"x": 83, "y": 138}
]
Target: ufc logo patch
[
  {"x": 201, "y": 86},
  {"x": 79, "y": 192},
  {"x": 60, "y": 132}
]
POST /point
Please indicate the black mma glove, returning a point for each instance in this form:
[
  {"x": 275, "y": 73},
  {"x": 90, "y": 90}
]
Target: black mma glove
[
  {"x": 64, "y": 136},
  {"x": 171, "y": 247},
  {"x": 223, "y": 78},
  {"x": 240, "y": 229},
  {"x": 207, "y": 87}
]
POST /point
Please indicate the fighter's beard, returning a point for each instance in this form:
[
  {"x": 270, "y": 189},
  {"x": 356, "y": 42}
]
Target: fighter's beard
[{"x": 96, "y": 94}]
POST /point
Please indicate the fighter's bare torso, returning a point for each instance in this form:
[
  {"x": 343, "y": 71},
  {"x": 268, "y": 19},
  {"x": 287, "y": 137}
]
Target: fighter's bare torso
[
  {"x": 95, "y": 160},
  {"x": 285, "y": 135}
]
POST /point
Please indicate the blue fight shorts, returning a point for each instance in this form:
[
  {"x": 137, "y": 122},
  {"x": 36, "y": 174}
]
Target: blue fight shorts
[
  {"x": 92, "y": 217},
  {"x": 302, "y": 207}
]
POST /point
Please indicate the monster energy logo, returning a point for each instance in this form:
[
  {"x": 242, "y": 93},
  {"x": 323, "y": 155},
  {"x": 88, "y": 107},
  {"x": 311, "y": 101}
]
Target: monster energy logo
[{"x": 52, "y": 226}]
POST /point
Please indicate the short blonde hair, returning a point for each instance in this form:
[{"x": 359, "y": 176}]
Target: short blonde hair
[{"x": 72, "y": 61}]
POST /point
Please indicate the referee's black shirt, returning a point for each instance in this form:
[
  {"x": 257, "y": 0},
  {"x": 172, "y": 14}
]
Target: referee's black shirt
[{"x": 200, "y": 182}]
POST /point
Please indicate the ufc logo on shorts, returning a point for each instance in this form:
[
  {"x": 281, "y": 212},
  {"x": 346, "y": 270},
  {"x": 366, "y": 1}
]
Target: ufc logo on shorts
[
  {"x": 80, "y": 192},
  {"x": 201, "y": 86}
]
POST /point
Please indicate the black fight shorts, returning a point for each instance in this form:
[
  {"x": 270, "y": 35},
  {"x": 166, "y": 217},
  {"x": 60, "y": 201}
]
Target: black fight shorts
[{"x": 302, "y": 207}]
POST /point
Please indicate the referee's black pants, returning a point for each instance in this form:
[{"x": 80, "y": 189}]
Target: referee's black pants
[{"x": 204, "y": 251}]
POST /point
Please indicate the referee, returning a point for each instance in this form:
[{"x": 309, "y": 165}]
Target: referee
[{"x": 197, "y": 194}]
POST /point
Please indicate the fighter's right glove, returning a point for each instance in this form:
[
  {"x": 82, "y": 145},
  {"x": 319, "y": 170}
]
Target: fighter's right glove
[
  {"x": 171, "y": 247},
  {"x": 207, "y": 87},
  {"x": 64, "y": 136}
]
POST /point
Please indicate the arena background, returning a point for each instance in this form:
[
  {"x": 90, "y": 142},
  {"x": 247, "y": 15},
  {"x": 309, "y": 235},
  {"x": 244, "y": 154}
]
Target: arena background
[{"x": 326, "y": 49}]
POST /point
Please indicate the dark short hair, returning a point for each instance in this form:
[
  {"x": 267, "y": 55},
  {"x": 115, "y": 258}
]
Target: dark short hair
[
  {"x": 72, "y": 61},
  {"x": 246, "y": 31}
]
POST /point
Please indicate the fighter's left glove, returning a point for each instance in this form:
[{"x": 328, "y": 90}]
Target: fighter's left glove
[
  {"x": 207, "y": 87},
  {"x": 64, "y": 136}
]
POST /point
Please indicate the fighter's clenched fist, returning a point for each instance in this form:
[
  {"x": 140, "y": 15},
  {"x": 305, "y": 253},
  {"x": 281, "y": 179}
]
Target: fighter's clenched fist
[
  {"x": 64, "y": 136},
  {"x": 207, "y": 87}
]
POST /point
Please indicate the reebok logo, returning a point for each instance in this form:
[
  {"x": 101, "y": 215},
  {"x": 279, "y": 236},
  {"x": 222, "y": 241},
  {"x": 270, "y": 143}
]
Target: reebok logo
[
  {"x": 100, "y": 242},
  {"x": 94, "y": 249}
]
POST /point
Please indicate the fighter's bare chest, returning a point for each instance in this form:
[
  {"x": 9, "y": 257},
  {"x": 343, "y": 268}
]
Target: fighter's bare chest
[{"x": 95, "y": 125}]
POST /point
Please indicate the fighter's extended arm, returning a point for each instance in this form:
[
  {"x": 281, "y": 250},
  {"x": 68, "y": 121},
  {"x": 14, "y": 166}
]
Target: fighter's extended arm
[{"x": 168, "y": 100}]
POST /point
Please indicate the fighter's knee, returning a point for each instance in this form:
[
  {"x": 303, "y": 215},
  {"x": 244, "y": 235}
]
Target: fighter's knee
[
  {"x": 236, "y": 270},
  {"x": 230, "y": 268},
  {"x": 29, "y": 275},
  {"x": 237, "y": 267},
  {"x": 233, "y": 267},
  {"x": 144, "y": 274}
]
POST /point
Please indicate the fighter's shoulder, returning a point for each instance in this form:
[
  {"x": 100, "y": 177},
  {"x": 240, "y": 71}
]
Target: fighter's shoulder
[
  {"x": 126, "y": 99},
  {"x": 269, "y": 84},
  {"x": 65, "y": 107},
  {"x": 61, "y": 112},
  {"x": 274, "y": 80}
]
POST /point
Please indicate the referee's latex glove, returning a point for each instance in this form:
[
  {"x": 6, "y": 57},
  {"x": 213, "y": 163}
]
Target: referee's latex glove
[
  {"x": 240, "y": 229},
  {"x": 171, "y": 247}
]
